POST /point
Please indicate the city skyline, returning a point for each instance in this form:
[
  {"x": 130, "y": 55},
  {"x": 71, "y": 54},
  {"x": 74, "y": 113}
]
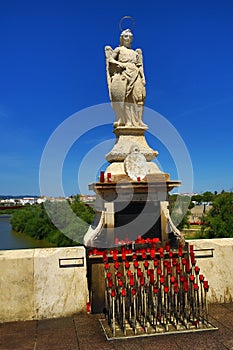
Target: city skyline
[{"x": 53, "y": 67}]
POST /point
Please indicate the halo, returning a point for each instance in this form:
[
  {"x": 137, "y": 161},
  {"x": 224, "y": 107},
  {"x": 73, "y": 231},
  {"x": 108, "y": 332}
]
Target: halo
[{"x": 132, "y": 22}]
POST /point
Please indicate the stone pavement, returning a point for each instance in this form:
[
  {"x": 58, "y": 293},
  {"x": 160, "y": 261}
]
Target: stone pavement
[{"x": 84, "y": 332}]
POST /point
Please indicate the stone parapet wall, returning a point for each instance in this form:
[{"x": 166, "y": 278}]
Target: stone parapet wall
[
  {"x": 42, "y": 283},
  {"x": 52, "y": 282},
  {"x": 218, "y": 270}
]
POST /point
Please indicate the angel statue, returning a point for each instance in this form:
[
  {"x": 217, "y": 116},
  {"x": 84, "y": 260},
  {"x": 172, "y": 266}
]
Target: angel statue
[{"x": 126, "y": 82}]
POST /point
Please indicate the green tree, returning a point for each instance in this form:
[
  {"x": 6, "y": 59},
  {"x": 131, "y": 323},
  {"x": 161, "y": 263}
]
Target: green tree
[
  {"x": 219, "y": 220},
  {"x": 68, "y": 226}
]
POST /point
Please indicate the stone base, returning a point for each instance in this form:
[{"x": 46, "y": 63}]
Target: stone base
[
  {"x": 127, "y": 138},
  {"x": 127, "y": 210}
]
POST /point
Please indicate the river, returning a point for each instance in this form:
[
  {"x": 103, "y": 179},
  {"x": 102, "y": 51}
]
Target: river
[{"x": 10, "y": 239}]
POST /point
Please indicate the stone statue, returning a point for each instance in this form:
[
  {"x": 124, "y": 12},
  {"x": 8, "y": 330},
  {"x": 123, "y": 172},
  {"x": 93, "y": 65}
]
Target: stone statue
[{"x": 126, "y": 82}]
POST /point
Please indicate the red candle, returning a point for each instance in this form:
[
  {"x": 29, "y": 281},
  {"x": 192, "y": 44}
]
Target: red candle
[
  {"x": 106, "y": 266},
  {"x": 109, "y": 175},
  {"x": 146, "y": 264},
  {"x": 113, "y": 293},
  {"x": 116, "y": 265},
  {"x": 102, "y": 176},
  {"x": 109, "y": 274},
  {"x": 138, "y": 179},
  {"x": 166, "y": 289},
  {"x": 118, "y": 274},
  {"x": 156, "y": 290},
  {"x": 197, "y": 270}
]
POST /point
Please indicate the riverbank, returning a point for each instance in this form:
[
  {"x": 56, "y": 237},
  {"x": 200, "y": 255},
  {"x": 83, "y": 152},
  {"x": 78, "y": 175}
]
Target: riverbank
[{"x": 11, "y": 240}]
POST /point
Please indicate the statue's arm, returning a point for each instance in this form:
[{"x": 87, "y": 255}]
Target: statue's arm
[{"x": 112, "y": 56}]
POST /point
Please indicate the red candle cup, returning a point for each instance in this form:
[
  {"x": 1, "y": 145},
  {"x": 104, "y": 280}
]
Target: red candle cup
[
  {"x": 146, "y": 264},
  {"x": 201, "y": 278},
  {"x": 152, "y": 253},
  {"x": 106, "y": 266},
  {"x": 116, "y": 265},
  {"x": 138, "y": 179},
  {"x": 110, "y": 283},
  {"x": 172, "y": 279},
  {"x": 175, "y": 288},
  {"x": 127, "y": 265},
  {"x": 120, "y": 283},
  {"x": 123, "y": 292},
  {"x": 166, "y": 289},
  {"x": 129, "y": 273},
  {"x": 156, "y": 290},
  {"x": 206, "y": 286},
  {"x": 191, "y": 278},
  {"x": 197, "y": 269},
  {"x": 186, "y": 286},
  {"x": 162, "y": 279},
  {"x": 195, "y": 286},
  {"x": 131, "y": 281},
  {"x": 113, "y": 293},
  {"x": 109, "y": 274},
  {"x": 156, "y": 263},
  {"x": 134, "y": 291},
  {"x": 118, "y": 274}
]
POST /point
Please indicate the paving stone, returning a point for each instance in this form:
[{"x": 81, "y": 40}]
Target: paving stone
[{"x": 84, "y": 332}]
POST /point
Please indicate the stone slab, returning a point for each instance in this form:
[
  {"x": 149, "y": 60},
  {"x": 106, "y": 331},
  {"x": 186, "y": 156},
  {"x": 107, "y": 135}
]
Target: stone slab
[
  {"x": 59, "y": 291},
  {"x": 217, "y": 269},
  {"x": 16, "y": 285}
]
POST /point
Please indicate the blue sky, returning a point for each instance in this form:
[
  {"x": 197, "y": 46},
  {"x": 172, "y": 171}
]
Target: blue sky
[{"x": 52, "y": 65}]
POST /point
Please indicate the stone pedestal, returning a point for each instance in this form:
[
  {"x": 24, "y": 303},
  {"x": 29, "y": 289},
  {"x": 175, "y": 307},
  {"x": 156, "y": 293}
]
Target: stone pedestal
[{"x": 132, "y": 195}]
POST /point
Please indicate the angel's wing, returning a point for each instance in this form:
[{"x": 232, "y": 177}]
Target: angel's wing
[{"x": 108, "y": 53}]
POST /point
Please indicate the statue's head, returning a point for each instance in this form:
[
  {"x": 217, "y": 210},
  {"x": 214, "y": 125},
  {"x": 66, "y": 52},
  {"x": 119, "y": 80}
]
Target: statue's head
[{"x": 126, "y": 37}]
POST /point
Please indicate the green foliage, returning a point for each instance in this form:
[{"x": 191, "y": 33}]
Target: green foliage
[
  {"x": 219, "y": 220},
  {"x": 68, "y": 226}
]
